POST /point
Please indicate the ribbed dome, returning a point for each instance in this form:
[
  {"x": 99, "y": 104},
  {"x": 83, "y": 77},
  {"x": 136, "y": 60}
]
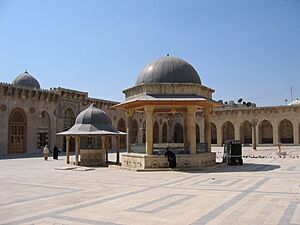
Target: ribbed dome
[
  {"x": 26, "y": 80},
  {"x": 295, "y": 102},
  {"x": 168, "y": 69},
  {"x": 93, "y": 116}
]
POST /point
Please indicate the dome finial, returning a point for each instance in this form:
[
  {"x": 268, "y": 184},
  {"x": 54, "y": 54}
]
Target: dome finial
[
  {"x": 168, "y": 54},
  {"x": 26, "y": 71}
]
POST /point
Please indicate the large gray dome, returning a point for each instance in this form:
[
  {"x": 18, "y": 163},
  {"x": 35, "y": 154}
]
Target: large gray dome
[
  {"x": 26, "y": 80},
  {"x": 168, "y": 69}
]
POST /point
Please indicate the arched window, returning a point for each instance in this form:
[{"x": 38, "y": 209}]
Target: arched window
[
  {"x": 265, "y": 132},
  {"x": 227, "y": 131},
  {"x": 286, "y": 131},
  {"x": 135, "y": 129},
  {"x": 155, "y": 132},
  {"x": 213, "y": 133},
  {"x": 43, "y": 130},
  {"x": 122, "y": 127},
  {"x": 246, "y": 132},
  {"x": 178, "y": 133},
  {"x": 17, "y": 132},
  {"x": 164, "y": 133}
]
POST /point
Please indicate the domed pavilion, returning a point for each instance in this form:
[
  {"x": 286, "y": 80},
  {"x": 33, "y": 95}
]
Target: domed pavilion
[
  {"x": 91, "y": 131},
  {"x": 169, "y": 85}
]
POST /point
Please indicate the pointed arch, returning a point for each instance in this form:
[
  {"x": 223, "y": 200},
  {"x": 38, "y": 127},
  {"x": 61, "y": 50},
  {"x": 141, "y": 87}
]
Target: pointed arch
[
  {"x": 122, "y": 127},
  {"x": 246, "y": 132},
  {"x": 69, "y": 121},
  {"x": 17, "y": 131},
  {"x": 286, "y": 133},
  {"x": 164, "y": 133},
  {"x": 135, "y": 129},
  {"x": 197, "y": 134},
  {"x": 213, "y": 134},
  {"x": 155, "y": 132},
  {"x": 227, "y": 131},
  {"x": 178, "y": 133},
  {"x": 265, "y": 132},
  {"x": 43, "y": 130}
]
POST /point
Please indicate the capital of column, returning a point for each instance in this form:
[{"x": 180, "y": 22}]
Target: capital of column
[
  {"x": 191, "y": 109},
  {"x": 207, "y": 112},
  {"x": 149, "y": 109},
  {"x": 129, "y": 113},
  {"x": 68, "y": 138}
]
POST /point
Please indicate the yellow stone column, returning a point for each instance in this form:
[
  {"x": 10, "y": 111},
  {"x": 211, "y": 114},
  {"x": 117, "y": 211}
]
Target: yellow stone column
[
  {"x": 68, "y": 149},
  {"x": 207, "y": 126},
  {"x": 129, "y": 114},
  {"x": 186, "y": 135},
  {"x": 118, "y": 149},
  {"x": 275, "y": 133},
  {"x": 191, "y": 115},
  {"x": 149, "y": 129},
  {"x": 77, "y": 146},
  {"x": 296, "y": 133},
  {"x": 254, "y": 136}
]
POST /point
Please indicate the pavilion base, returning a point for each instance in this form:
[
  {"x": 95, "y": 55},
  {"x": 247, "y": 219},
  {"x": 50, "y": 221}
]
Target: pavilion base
[
  {"x": 134, "y": 161},
  {"x": 92, "y": 157}
]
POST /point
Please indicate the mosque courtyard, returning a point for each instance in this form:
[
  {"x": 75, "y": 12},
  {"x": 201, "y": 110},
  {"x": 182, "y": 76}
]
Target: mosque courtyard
[{"x": 265, "y": 190}]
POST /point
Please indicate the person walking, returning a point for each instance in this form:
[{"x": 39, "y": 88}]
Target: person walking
[
  {"x": 56, "y": 151},
  {"x": 46, "y": 152}
]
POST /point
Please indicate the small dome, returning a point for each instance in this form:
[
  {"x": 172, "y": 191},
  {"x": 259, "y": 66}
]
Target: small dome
[
  {"x": 168, "y": 69},
  {"x": 295, "y": 102},
  {"x": 26, "y": 80},
  {"x": 93, "y": 116}
]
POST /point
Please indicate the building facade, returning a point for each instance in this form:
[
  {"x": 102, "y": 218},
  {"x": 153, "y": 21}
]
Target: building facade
[{"x": 30, "y": 117}]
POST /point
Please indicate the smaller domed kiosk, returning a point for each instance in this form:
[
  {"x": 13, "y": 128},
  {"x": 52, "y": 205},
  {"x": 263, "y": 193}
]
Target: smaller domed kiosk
[
  {"x": 91, "y": 131},
  {"x": 169, "y": 85}
]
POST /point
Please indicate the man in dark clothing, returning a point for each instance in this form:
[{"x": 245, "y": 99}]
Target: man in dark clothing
[
  {"x": 56, "y": 151},
  {"x": 171, "y": 158}
]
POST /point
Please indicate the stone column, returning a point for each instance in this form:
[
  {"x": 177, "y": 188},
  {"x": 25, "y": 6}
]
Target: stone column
[
  {"x": 237, "y": 132},
  {"x": 129, "y": 115},
  {"x": 149, "y": 129},
  {"x": 296, "y": 133},
  {"x": 275, "y": 133},
  {"x": 77, "y": 146},
  {"x": 118, "y": 149},
  {"x": 254, "y": 124},
  {"x": 191, "y": 113},
  {"x": 207, "y": 128},
  {"x": 103, "y": 145},
  {"x": 186, "y": 130},
  {"x": 68, "y": 149},
  {"x": 219, "y": 135}
]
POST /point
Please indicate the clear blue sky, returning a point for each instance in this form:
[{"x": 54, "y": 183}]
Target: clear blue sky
[{"x": 248, "y": 49}]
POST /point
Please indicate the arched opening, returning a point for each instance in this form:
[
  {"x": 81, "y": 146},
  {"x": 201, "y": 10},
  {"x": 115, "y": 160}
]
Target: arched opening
[
  {"x": 246, "y": 132},
  {"x": 286, "y": 134},
  {"x": 155, "y": 132},
  {"x": 43, "y": 130},
  {"x": 213, "y": 134},
  {"x": 69, "y": 121},
  {"x": 178, "y": 133},
  {"x": 227, "y": 131},
  {"x": 144, "y": 132},
  {"x": 265, "y": 132},
  {"x": 122, "y": 127},
  {"x": 17, "y": 132},
  {"x": 135, "y": 129},
  {"x": 197, "y": 134},
  {"x": 164, "y": 133}
]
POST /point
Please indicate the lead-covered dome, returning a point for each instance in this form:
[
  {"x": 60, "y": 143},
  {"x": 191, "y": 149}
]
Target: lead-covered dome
[
  {"x": 26, "y": 80},
  {"x": 168, "y": 69},
  {"x": 94, "y": 116}
]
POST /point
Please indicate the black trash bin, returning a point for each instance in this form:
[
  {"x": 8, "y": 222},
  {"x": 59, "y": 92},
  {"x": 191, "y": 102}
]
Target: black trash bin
[{"x": 233, "y": 152}]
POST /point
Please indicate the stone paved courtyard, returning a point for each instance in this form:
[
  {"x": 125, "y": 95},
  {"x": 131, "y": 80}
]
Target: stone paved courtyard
[{"x": 265, "y": 190}]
